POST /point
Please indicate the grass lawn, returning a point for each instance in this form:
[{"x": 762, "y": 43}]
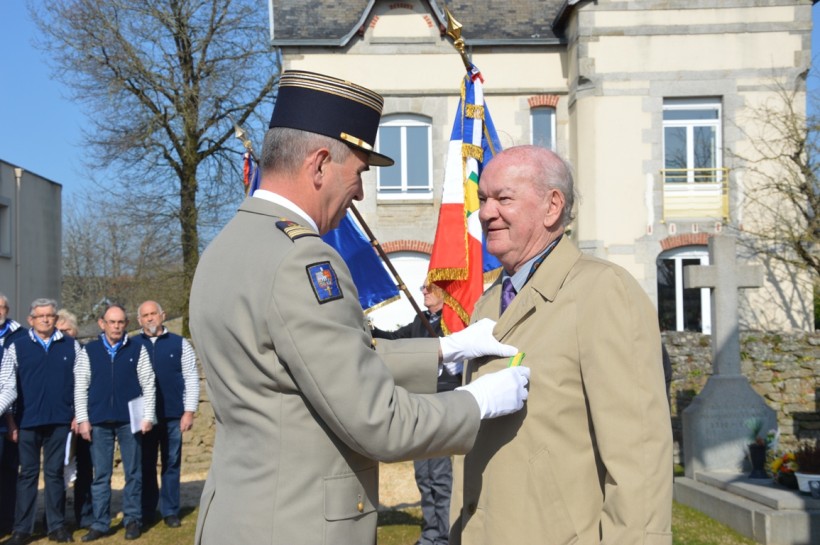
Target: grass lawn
[{"x": 689, "y": 527}]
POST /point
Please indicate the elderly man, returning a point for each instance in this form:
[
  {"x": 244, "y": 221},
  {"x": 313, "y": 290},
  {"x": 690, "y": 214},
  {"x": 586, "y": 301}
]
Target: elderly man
[
  {"x": 9, "y": 330},
  {"x": 305, "y": 407},
  {"x": 112, "y": 371},
  {"x": 590, "y": 460},
  {"x": 174, "y": 363},
  {"x": 41, "y": 364}
]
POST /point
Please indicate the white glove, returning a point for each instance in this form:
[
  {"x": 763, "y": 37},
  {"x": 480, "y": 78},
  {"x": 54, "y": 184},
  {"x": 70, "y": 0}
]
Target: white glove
[
  {"x": 500, "y": 393},
  {"x": 472, "y": 342},
  {"x": 454, "y": 368}
]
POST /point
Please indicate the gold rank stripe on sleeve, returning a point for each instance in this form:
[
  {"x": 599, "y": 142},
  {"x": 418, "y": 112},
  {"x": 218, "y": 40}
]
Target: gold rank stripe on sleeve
[{"x": 293, "y": 230}]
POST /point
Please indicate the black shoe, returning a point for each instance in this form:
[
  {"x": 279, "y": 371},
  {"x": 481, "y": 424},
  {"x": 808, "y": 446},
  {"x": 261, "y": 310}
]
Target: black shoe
[
  {"x": 172, "y": 521},
  {"x": 92, "y": 535},
  {"x": 61, "y": 535},
  {"x": 18, "y": 538},
  {"x": 132, "y": 530}
]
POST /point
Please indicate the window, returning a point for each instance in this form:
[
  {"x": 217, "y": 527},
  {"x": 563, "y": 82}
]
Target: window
[
  {"x": 682, "y": 309},
  {"x": 542, "y": 127},
  {"x": 407, "y": 139},
  {"x": 692, "y": 140}
]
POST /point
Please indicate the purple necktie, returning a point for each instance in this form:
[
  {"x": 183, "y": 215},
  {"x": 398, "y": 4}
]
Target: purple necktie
[{"x": 507, "y": 293}]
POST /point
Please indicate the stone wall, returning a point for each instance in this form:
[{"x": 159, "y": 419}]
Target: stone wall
[{"x": 782, "y": 367}]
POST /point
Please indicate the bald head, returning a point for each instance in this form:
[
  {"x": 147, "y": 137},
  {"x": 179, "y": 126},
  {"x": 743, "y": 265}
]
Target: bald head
[{"x": 526, "y": 195}]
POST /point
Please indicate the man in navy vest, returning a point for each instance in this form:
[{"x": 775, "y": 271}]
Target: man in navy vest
[
  {"x": 174, "y": 363},
  {"x": 9, "y": 330},
  {"x": 112, "y": 371},
  {"x": 42, "y": 365}
]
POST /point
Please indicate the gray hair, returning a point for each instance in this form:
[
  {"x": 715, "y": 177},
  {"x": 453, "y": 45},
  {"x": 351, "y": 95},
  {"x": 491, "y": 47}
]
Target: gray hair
[
  {"x": 551, "y": 171},
  {"x": 284, "y": 149},
  {"x": 3, "y": 299},
  {"x": 69, "y": 318},
  {"x": 42, "y": 302}
]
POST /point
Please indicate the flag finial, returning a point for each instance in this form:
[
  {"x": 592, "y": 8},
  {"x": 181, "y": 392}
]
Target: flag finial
[{"x": 454, "y": 31}]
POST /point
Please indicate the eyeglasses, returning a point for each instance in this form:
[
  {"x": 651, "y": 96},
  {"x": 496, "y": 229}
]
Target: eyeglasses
[{"x": 43, "y": 316}]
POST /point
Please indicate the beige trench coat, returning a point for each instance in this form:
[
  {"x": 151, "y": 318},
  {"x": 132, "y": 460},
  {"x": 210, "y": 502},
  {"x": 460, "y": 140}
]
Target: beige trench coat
[{"x": 589, "y": 459}]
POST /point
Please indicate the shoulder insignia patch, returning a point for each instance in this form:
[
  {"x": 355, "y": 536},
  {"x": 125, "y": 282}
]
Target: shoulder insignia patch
[
  {"x": 324, "y": 282},
  {"x": 293, "y": 230}
]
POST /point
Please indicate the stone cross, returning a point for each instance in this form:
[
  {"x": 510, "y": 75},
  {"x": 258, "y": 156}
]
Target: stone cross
[
  {"x": 724, "y": 276},
  {"x": 715, "y": 431}
]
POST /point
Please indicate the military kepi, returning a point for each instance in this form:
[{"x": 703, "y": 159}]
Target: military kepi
[{"x": 332, "y": 107}]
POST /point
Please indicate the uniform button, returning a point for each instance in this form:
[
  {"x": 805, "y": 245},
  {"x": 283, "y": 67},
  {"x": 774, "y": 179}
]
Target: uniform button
[
  {"x": 360, "y": 507},
  {"x": 471, "y": 508}
]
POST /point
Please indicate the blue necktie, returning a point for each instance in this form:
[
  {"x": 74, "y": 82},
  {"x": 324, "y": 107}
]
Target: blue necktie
[{"x": 507, "y": 293}]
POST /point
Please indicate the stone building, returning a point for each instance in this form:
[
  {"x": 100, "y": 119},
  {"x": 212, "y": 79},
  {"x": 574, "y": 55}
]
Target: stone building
[
  {"x": 650, "y": 100},
  {"x": 30, "y": 238}
]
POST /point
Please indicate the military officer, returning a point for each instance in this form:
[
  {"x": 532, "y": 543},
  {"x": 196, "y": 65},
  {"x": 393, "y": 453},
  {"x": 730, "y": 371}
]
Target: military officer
[{"x": 305, "y": 408}]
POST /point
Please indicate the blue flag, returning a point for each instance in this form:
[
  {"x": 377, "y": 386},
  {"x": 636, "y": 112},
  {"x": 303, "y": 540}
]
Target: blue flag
[{"x": 373, "y": 282}]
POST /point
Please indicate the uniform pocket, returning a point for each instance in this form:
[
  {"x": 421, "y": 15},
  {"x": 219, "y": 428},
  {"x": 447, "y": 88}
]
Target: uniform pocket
[{"x": 350, "y": 507}]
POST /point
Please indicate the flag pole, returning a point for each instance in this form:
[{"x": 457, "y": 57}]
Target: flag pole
[{"x": 378, "y": 247}]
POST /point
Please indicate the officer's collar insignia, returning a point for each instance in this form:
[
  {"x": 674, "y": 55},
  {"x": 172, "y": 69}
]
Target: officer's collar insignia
[
  {"x": 293, "y": 230},
  {"x": 324, "y": 282}
]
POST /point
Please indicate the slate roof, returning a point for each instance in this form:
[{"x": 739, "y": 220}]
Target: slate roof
[{"x": 486, "y": 22}]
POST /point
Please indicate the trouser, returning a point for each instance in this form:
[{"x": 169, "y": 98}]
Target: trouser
[
  {"x": 102, "y": 455},
  {"x": 83, "y": 507},
  {"x": 9, "y": 466},
  {"x": 51, "y": 440},
  {"x": 164, "y": 439},
  {"x": 434, "y": 478}
]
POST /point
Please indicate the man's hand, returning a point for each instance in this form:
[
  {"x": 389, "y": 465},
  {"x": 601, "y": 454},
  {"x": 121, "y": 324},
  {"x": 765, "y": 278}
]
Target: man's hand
[
  {"x": 472, "y": 342},
  {"x": 146, "y": 426},
  {"x": 75, "y": 429},
  {"x": 500, "y": 393},
  {"x": 186, "y": 422},
  {"x": 85, "y": 431}
]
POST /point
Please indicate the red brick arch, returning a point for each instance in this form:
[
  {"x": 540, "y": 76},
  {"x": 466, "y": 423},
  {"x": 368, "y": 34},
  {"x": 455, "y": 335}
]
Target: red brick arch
[
  {"x": 543, "y": 101},
  {"x": 689, "y": 239},
  {"x": 407, "y": 246}
]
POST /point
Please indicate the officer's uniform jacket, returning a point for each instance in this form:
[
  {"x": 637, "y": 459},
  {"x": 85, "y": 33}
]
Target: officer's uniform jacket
[
  {"x": 304, "y": 405},
  {"x": 589, "y": 458}
]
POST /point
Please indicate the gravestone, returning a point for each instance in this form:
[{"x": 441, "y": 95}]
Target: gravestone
[{"x": 715, "y": 425}]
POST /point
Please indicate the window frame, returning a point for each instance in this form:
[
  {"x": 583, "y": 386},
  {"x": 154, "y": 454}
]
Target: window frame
[
  {"x": 406, "y": 191},
  {"x": 552, "y": 123},
  {"x": 689, "y": 125},
  {"x": 678, "y": 255}
]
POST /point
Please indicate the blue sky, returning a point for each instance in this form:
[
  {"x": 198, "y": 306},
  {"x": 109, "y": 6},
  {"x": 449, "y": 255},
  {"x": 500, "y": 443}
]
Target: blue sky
[{"x": 41, "y": 127}]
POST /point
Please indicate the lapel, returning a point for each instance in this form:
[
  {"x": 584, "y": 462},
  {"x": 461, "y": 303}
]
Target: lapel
[{"x": 543, "y": 285}]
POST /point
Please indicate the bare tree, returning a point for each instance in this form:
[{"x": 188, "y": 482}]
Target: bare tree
[
  {"x": 161, "y": 80},
  {"x": 107, "y": 260},
  {"x": 782, "y": 165}
]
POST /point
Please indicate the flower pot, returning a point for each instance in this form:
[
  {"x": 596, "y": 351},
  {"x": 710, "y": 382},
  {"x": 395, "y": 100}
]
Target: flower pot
[
  {"x": 803, "y": 480},
  {"x": 757, "y": 455}
]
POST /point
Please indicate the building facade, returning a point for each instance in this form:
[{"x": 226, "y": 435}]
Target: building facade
[
  {"x": 30, "y": 238},
  {"x": 651, "y": 101}
]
